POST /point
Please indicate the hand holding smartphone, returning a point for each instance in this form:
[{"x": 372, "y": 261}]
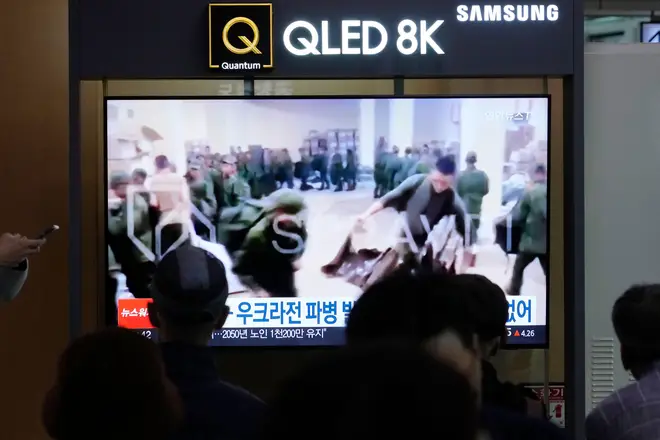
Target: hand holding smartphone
[{"x": 46, "y": 232}]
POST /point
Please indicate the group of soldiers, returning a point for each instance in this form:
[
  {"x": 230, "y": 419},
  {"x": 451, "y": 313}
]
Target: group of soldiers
[
  {"x": 246, "y": 201},
  {"x": 234, "y": 209},
  {"x": 390, "y": 168},
  {"x": 266, "y": 170}
]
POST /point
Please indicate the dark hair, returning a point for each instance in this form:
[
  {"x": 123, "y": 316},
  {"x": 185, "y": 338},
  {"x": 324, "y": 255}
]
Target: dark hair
[
  {"x": 170, "y": 234},
  {"x": 411, "y": 308},
  {"x": 636, "y": 321},
  {"x": 111, "y": 384},
  {"x": 540, "y": 169},
  {"x": 489, "y": 308},
  {"x": 446, "y": 165},
  {"x": 408, "y": 150},
  {"x": 161, "y": 162},
  {"x": 377, "y": 392},
  {"x": 139, "y": 172}
]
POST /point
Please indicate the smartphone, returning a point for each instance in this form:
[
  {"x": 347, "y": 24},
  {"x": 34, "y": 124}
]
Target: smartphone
[{"x": 46, "y": 232}]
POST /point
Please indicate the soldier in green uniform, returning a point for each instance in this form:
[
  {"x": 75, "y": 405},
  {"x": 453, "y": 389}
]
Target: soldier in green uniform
[
  {"x": 132, "y": 256},
  {"x": 286, "y": 168},
  {"x": 532, "y": 214},
  {"x": 255, "y": 172},
  {"x": 350, "y": 170},
  {"x": 423, "y": 165},
  {"x": 267, "y": 182},
  {"x": 409, "y": 159},
  {"x": 392, "y": 166},
  {"x": 266, "y": 239},
  {"x": 322, "y": 164},
  {"x": 202, "y": 196},
  {"x": 235, "y": 188},
  {"x": 472, "y": 187},
  {"x": 380, "y": 162},
  {"x": 337, "y": 170},
  {"x": 242, "y": 169},
  {"x": 305, "y": 169}
]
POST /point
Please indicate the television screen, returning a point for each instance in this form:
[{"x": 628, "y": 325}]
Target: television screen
[{"x": 308, "y": 201}]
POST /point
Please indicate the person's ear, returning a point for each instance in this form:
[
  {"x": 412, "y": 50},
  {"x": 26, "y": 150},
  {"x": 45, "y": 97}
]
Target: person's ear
[
  {"x": 222, "y": 318},
  {"x": 152, "y": 312}
]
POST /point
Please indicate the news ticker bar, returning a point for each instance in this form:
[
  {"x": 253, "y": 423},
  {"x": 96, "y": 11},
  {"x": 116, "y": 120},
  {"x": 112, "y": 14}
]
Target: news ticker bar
[
  {"x": 283, "y": 313},
  {"x": 324, "y": 336}
]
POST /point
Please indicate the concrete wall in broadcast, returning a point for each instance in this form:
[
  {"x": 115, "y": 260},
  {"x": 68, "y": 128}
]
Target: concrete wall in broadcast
[{"x": 622, "y": 194}]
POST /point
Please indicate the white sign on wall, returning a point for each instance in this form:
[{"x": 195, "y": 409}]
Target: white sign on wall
[{"x": 650, "y": 33}]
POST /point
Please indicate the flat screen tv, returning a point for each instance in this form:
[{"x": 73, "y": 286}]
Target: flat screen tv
[{"x": 308, "y": 171}]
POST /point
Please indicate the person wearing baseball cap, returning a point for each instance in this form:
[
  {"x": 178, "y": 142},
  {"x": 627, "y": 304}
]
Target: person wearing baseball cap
[{"x": 189, "y": 292}]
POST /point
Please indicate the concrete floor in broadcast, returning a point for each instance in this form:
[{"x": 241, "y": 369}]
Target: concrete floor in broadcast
[{"x": 331, "y": 218}]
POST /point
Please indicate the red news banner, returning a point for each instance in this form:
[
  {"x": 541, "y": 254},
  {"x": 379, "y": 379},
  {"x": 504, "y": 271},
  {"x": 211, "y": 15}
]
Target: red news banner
[{"x": 133, "y": 313}]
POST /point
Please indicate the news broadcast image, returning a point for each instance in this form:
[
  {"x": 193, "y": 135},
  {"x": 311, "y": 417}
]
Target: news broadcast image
[{"x": 308, "y": 201}]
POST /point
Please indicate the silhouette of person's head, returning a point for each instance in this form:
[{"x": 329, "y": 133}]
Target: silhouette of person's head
[
  {"x": 111, "y": 385},
  {"x": 489, "y": 310},
  {"x": 375, "y": 392},
  {"x": 636, "y": 321},
  {"x": 421, "y": 310},
  {"x": 189, "y": 292}
]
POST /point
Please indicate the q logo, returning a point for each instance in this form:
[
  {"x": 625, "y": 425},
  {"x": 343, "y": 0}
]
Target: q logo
[
  {"x": 241, "y": 36},
  {"x": 250, "y": 45}
]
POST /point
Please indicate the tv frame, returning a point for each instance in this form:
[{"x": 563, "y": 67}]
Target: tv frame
[{"x": 506, "y": 345}]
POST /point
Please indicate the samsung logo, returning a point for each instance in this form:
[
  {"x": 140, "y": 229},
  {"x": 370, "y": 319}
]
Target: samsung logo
[{"x": 510, "y": 13}]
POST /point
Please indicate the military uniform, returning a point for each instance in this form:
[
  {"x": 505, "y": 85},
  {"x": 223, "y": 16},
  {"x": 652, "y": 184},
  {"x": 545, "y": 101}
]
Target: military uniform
[
  {"x": 235, "y": 189},
  {"x": 407, "y": 164},
  {"x": 284, "y": 172},
  {"x": 267, "y": 183},
  {"x": 392, "y": 166},
  {"x": 350, "y": 172},
  {"x": 532, "y": 214},
  {"x": 379, "y": 174},
  {"x": 423, "y": 166},
  {"x": 305, "y": 171},
  {"x": 202, "y": 197},
  {"x": 337, "y": 171},
  {"x": 321, "y": 160},
  {"x": 264, "y": 249},
  {"x": 472, "y": 186},
  {"x": 132, "y": 257},
  {"x": 255, "y": 173}
]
